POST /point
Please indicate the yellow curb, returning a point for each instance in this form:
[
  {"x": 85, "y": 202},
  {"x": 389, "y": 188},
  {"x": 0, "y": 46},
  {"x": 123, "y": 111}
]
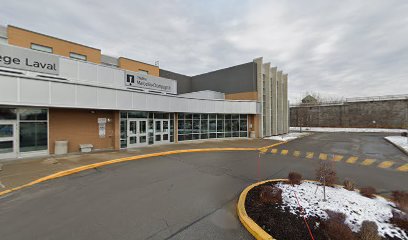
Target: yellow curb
[
  {"x": 254, "y": 228},
  {"x": 119, "y": 160},
  {"x": 273, "y": 145}
]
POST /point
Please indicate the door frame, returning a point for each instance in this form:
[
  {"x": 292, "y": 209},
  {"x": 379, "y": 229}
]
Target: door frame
[
  {"x": 138, "y": 133},
  {"x": 161, "y": 132},
  {"x": 14, "y": 138}
]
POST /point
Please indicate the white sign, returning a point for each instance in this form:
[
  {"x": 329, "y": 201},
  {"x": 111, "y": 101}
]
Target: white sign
[
  {"x": 144, "y": 81},
  {"x": 29, "y": 60},
  {"x": 101, "y": 120}
]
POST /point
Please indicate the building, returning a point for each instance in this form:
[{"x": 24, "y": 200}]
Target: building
[{"x": 56, "y": 90}]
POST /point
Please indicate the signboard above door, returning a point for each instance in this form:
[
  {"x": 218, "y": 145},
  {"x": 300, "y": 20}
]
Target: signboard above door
[{"x": 143, "y": 81}]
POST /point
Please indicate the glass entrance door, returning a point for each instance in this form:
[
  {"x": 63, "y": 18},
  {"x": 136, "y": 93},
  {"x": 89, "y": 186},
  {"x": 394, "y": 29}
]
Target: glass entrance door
[
  {"x": 161, "y": 131},
  {"x": 137, "y": 132},
  {"x": 8, "y": 143}
]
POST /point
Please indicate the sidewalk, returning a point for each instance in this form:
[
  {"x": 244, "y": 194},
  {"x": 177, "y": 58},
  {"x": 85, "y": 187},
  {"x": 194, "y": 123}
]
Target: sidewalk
[{"x": 17, "y": 172}]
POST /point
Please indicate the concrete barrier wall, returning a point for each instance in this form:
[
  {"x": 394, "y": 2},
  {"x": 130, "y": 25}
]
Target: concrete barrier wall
[{"x": 368, "y": 114}]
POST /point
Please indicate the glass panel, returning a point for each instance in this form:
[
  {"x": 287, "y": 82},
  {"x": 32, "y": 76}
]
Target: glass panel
[
  {"x": 228, "y": 125},
  {"x": 33, "y": 114},
  {"x": 188, "y": 126},
  {"x": 123, "y": 143},
  {"x": 158, "y": 126},
  {"x": 235, "y": 125},
  {"x": 151, "y": 139},
  {"x": 196, "y": 116},
  {"x": 123, "y": 129},
  {"x": 33, "y": 136},
  {"x": 196, "y": 136},
  {"x": 6, "y": 147},
  {"x": 165, "y": 137},
  {"x": 220, "y": 116},
  {"x": 171, "y": 138},
  {"x": 188, "y": 137},
  {"x": 8, "y": 114},
  {"x": 181, "y": 126},
  {"x": 150, "y": 115},
  {"x": 133, "y": 140},
  {"x": 235, "y": 134},
  {"x": 243, "y": 125},
  {"x": 220, "y": 135},
  {"x": 235, "y": 116},
  {"x": 243, "y": 134},
  {"x": 166, "y": 116},
  {"x": 166, "y": 126},
  {"x": 180, "y": 138},
  {"x": 204, "y": 116},
  {"x": 189, "y": 116},
  {"x": 123, "y": 114},
  {"x": 213, "y": 135},
  {"x": 132, "y": 127},
  {"x": 213, "y": 126},
  {"x": 228, "y": 134},
  {"x": 142, "y": 139},
  {"x": 204, "y": 136},
  {"x": 158, "y": 116},
  {"x": 220, "y": 125},
  {"x": 228, "y": 116},
  {"x": 142, "y": 126},
  {"x": 6, "y": 130},
  {"x": 135, "y": 114},
  {"x": 196, "y": 126},
  {"x": 213, "y": 116},
  {"x": 180, "y": 116},
  {"x": 158, "y": 138}
]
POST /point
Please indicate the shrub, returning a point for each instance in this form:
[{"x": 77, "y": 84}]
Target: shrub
[
  {"x": 400, "y": 220},
  {"x": 294, "y": 178},
  {"x": 368, "y": 231},
  {"x": 368, "y": 192},
  {"x": 401, "y": 200},
  {"x": 326, "y": 172},
  {"x": 335, "y": 227},
  {"x": 348, "y": 184},
  {"x": 270, "y": 195}
]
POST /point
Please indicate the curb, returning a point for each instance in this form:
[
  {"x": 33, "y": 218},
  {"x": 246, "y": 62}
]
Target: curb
[
  {"x": 397, "y": 146},
  {"x": 120, "y": 160}
]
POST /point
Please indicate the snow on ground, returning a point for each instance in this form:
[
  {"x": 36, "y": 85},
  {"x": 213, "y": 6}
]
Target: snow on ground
[
  {"x": 400, "y": 141},
  {"x": 327, "y": 129},
  {"x": 288, "y": 136},
  {"x": 357, "y": 208}
]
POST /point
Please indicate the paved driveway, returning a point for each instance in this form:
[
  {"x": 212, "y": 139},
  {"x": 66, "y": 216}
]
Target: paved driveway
[{"x": 184, "y": 196}]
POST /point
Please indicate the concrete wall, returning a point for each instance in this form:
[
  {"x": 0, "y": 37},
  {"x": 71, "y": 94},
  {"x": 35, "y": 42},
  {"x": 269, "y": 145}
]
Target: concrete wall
[
  {"x": 385, "y": 113},
  {"x": 183, "y": 81},
  {"x": 240, "y": 78}
]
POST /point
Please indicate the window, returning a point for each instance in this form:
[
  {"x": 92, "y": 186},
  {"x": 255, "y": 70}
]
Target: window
[
  {"x": 77, "y": 56},
  {"x": 41, "y": 48},
  {"x": 143, "y": 71},
  {"x": 33, "y": 130}
]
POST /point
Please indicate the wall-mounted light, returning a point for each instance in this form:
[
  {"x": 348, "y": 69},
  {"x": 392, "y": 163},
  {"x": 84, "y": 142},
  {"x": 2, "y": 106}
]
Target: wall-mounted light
[{"x": 92, "y": 111}]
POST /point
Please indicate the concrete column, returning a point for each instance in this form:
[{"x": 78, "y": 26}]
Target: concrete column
[
  {"x": 280, "y": 102},
  {"x": 285, "y": 103},
  {"x": 267, "y": 96},
  {"x": 259, "y": 85},
  {"x": 274, "y": 98}
]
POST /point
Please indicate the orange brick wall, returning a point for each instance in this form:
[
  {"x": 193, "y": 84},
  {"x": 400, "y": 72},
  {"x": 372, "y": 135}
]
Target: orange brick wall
[
  {"x": 81, "y": 127},
  {"x": 24, "y": 38},
  {"x": 136, "y": 66}
]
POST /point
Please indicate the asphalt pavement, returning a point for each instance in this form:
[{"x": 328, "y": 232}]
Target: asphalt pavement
[{"x": 182, "y": 196}]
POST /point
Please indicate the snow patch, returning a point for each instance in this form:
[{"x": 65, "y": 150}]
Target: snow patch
[
  {"x": 327, "y": 129},
  {"x": 357, "y": 208},
  {"x": 400, "y": 141},
  {"x": 288, "y": 136}
]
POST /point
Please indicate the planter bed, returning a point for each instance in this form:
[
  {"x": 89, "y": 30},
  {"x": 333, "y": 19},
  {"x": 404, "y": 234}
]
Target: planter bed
[{"x": 285, "y": 220}]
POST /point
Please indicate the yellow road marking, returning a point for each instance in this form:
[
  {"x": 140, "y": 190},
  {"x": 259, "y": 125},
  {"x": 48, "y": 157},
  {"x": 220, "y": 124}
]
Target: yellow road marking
[
  {"x": 284, "y": 152},
  {"x": 323, "y": 156},
  {"x": 274, "y": 150},
  {"x": 337, "y": 158},
  {"x": 352, "y": 160},
  {"x": 386, "y": 164},
  {"x": 309, "y": 155},
  {"x": 403, "y": 168},
  {"x": 368, "y": 161},
  {"x": 296, "y": 153}
]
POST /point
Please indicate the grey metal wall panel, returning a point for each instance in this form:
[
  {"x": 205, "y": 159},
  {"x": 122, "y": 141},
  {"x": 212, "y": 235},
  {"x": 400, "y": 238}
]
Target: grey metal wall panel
[
  {"x": 183, "y": 81},
  {"x": 240, "y": 78}
]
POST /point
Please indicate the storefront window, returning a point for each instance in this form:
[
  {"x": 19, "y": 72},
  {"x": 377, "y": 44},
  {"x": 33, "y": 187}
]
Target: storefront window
[
  {"x": 33, "y": 136},
  {"x": 8, "y": 114}
]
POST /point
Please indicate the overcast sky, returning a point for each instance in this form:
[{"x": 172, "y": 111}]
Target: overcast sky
[{"x": 336, "y": 48}]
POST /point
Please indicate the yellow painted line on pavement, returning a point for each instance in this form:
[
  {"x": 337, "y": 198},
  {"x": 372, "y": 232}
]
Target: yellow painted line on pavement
[
  {"x": 323, "y": 156},
  {"x": 273, "y": 145},
  {"x": 337, "y": 158},
  {"x": 352, "y": 160},
  {"x": 386, "y": 164},
  {"x": 309, "y": 155},
  {"x": 284, "y": 152},
  {"x": 368, "y": 162},
  {"x": 403, "y": 168},
  {"x": 296, "y": 153},
  {"x": 274, "y": 150}
]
